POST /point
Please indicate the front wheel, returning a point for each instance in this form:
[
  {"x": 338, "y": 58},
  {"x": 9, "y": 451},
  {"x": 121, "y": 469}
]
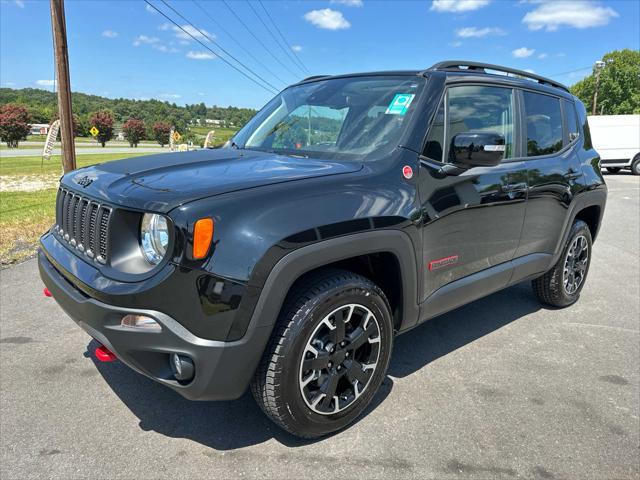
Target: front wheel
[
  {"x": 328, "y": 354},
  {"x": 561, "y": 286}
]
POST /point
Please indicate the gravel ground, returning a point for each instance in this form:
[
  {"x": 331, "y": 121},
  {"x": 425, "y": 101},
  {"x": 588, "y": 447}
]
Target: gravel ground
[{"x": 501, "y": 388}]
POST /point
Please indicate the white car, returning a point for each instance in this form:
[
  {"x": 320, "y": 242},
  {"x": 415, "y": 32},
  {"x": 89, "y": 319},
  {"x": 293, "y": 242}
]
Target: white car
[{"x": 617, "y": 139}]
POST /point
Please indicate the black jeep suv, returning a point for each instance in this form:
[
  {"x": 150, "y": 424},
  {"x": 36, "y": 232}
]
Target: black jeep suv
[{"x": 351, "y": 208}]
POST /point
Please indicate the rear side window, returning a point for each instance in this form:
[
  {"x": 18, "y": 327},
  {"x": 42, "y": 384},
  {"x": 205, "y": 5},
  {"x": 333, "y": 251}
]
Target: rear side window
[
  {"x": 543, "y": 124},
  {"x": 471, "y": 109},
  {"x": 572, "y": 120}
]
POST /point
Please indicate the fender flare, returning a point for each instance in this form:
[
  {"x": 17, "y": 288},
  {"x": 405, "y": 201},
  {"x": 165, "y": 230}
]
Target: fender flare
[
  {"x": 596, "y": 197},
  {"x": 290, "y": 267}
]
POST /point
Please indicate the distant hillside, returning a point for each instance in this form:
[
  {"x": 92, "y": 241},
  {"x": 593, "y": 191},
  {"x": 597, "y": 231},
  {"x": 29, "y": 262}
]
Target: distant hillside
[{"x": 42, "y": 105}]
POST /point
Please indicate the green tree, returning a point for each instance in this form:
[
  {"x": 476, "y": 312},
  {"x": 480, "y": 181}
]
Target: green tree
[
  {"x": 14, "y": 124},
  {"x": 103, "y": 121},
  {"x": 134, "y": 131},
  {"x": 619, "y": 87}
]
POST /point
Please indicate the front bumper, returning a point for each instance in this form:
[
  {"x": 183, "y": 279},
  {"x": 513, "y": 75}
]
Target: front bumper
[{"x": 222, "y": 369}]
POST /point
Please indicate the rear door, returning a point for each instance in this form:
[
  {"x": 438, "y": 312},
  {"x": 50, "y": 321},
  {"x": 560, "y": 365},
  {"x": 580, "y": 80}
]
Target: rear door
[
  {"x": 471, "y": 221},
  {"x": 554, "y": 172}
]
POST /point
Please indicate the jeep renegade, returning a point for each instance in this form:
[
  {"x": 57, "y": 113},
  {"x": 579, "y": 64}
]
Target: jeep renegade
[{"x": 351, "y": 208}]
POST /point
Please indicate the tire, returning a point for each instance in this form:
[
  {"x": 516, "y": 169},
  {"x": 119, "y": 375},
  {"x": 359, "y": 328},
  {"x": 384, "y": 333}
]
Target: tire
[
  {"x": 559, "y": 287},
  {"x": 613, "y": 169},
  {"x": 635, "y": 165},
  {"x": 291, "y": 395}
]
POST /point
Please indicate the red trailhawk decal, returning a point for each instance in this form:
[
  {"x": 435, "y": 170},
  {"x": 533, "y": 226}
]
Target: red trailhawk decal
[{"x": 443, "y": 262}]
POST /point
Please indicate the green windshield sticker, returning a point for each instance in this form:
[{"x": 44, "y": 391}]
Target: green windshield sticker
[{"x": 400, "y": 104}]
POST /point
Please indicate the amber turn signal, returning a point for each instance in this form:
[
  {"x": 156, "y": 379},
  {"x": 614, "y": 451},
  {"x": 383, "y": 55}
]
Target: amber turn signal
[{"x": 202, "y": 236}]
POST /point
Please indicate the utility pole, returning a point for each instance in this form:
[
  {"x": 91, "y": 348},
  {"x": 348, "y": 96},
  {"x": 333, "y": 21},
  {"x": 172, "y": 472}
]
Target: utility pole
[
  {"x": 61, "y": 52},
  {"x": 598, "y": 67}
]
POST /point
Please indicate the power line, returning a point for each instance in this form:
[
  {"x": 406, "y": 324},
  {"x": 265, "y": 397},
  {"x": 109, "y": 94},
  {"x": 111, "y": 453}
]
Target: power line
[
  {"x": 257, "y": 39},
  {"x": 212, "y": 51},
  {"x": 571, "y": 71},
  {"x": 275, "y": 39},
  {"x": 219, "y": 46},
  {"x": 246, "y": 50},
  {"x": 287, "y": 44}
]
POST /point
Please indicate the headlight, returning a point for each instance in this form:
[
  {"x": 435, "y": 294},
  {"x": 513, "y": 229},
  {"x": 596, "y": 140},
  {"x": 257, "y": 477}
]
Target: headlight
[{"x": 154, "y": 237}]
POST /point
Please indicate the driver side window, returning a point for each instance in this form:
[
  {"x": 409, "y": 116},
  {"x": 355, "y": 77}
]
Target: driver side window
[{"x": 471, "y": 109}]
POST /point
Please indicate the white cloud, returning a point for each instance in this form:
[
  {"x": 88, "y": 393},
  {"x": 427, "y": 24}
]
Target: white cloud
[
  {"x": 296, "y": 48},
  {"x": 530, "y": 70},
  {"x": 45, "y": 83},
  {"x": 455, "y": 44},
  {"x": 109, "y": 34},
  {"x": 200, "y": 55},
  {"x": 150, "y": 9},
  {"x": 145, "y": 40},
  {"x": 19, "y": 3},
  {"x": 164, "y": 48},
  {"x": 562, "y": 13},
  {"x": 469, "y": 32},
  {"x": 9, "y": 84},
  {"x": 173, "y": 96},
  {"x": 523, "y": 52},
  {"x": 349, "y": 3},
  {"x": 327, "y": 18},
  {"x": 192, "y": 32},
  {"x": 542, "y": 56},
  {"x": 457, "y": 5}
]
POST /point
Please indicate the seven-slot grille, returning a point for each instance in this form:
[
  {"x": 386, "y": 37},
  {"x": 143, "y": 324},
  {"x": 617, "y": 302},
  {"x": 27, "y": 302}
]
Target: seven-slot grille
[{"x": 83, "y": 223}]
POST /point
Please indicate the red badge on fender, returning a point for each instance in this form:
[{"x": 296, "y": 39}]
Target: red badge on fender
[{"x": 407, "y": 172}]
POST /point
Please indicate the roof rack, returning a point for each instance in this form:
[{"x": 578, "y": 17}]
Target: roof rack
[
  {"x": 313, "y": 77},
  {"x": 479, "y": 67}
]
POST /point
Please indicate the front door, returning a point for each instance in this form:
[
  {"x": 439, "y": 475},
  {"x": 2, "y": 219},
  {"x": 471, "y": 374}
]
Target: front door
[{"x": 471, "y": 221}]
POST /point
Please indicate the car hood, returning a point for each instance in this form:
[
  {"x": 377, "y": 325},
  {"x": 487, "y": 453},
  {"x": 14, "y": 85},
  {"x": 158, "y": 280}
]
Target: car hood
[{"x": 164, "y": 181}]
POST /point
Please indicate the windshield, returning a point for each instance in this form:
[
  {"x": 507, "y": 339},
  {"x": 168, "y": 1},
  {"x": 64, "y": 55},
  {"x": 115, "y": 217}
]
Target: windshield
[{"x": 346, "y": 118}]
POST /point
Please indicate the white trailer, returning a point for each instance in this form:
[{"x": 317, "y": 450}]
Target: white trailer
[{"x": 617, "y": 139}]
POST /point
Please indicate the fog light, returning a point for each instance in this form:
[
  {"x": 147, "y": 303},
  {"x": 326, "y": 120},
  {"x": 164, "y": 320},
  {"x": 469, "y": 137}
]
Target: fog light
[
  {"x": 141, "y": 322},
  {"x": 181, "y": 366}
]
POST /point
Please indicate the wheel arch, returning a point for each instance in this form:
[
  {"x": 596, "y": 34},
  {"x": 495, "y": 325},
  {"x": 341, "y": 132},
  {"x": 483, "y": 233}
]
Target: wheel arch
[
  {"x": 370, "y": 254},
  {"x": 588, "y": 207}
]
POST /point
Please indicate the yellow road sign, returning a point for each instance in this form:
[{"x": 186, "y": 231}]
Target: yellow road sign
[
  {"x": 94, "y": 131},
  {"x": 176, "y": 136}
]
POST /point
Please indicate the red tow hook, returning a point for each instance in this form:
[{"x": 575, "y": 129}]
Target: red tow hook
[
  {"x": 105, "y": 355},
  {"x": 47, "y": 292}
]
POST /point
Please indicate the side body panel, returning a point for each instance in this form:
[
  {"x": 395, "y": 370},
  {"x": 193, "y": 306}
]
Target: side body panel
[{"x": 554, "y": 182}]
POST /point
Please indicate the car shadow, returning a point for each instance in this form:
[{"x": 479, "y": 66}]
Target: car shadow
[
  {"x": 240, "y": 423},
  {"x": 220, "y": 425},
  {"x": 446, "y": 333}
]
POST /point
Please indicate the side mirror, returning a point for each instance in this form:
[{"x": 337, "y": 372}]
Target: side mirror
[{"x": 476, "y": 149}]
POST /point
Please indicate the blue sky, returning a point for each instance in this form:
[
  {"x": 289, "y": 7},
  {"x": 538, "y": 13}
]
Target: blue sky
[{"x": 125, "y": 49}]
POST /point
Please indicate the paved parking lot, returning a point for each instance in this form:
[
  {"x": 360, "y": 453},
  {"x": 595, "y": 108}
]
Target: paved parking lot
[{"x": 501, "y": 388}]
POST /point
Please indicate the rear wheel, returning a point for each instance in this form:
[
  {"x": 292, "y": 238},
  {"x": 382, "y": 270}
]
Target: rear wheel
[
  {"x": 328, "y": 355},
  {"x": 613, "y": 169},
  {"x": 561, "y": 286},
  {"x": 635, "y": 166}
]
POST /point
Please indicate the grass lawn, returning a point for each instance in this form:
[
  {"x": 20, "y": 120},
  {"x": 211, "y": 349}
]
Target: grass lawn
[
  {"x": 33, "y": 165},
  {"x": 24, "y": 216}
]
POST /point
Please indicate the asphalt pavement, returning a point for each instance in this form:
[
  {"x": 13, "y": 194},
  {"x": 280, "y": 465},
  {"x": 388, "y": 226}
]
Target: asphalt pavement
[{"x": 501, "y": 388}]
